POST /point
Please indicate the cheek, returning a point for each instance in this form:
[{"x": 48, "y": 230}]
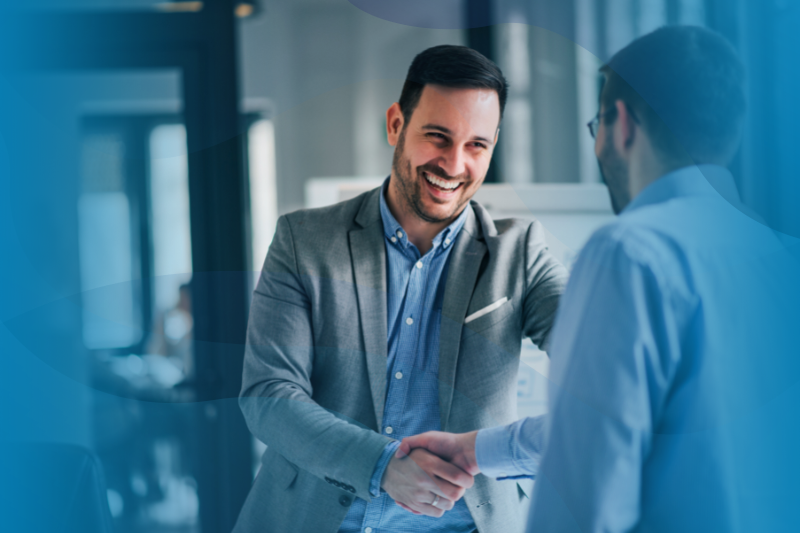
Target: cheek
[
  {"x": 423, "y": 153},
  {"x": 479, "y": 165}
]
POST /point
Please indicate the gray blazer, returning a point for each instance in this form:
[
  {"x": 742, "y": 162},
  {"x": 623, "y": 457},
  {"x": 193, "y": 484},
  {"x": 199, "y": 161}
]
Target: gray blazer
[{"x": 314, "y": 381}]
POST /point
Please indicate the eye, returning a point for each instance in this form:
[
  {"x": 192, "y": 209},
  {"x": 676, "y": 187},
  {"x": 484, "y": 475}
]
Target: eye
[
  {"x": 436, "y": 135},
  {"x": 479, "y": 145}
]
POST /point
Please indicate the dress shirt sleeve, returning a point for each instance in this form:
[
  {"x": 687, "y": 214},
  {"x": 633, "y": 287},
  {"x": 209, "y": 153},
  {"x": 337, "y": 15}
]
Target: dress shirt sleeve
[
  {"x": 380, "y": 468},
  {"x": 615, "y": 351},
  {"x": 512, "y": 451}
]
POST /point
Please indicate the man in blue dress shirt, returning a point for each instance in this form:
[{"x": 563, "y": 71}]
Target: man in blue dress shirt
[{"x": 673, "y": 385}]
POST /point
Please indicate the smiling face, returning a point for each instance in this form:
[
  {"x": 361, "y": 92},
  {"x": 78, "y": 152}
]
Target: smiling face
[{"x": 443, "y": 153}]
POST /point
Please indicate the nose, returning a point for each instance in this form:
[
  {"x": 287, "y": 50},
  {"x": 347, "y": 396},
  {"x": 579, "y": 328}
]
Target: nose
[{"x": 453, "y": 161}]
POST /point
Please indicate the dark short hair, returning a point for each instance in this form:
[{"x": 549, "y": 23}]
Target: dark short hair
[
  {"x": 686, "y": 86},
  {"x": 457, "y": 67}
]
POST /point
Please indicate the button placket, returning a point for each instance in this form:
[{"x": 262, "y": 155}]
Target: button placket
[{"x": 409, "y": 336}]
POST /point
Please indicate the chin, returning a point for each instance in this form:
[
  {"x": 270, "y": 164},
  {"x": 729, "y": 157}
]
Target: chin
[{"x": 435, "y": 212}]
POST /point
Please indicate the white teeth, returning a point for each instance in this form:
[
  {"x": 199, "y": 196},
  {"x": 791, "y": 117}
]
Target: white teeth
[{"x": 441, "y": 183}]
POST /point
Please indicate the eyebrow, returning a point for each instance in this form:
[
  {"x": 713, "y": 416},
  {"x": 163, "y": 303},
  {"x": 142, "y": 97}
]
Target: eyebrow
[{"x": 448, "y": 132}]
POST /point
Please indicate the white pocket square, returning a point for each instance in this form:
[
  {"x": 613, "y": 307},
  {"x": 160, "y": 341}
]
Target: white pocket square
[{"x": 486, "y": 310}]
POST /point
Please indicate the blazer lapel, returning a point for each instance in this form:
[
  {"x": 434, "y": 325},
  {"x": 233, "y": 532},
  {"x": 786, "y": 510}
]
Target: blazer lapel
[
  {"x": 465, "y": 262},
  {"x": 368, "y": 255}
]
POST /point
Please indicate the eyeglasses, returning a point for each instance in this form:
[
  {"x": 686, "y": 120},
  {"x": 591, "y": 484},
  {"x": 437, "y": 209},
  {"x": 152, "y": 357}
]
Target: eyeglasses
[{"x": 594, "y": 124}]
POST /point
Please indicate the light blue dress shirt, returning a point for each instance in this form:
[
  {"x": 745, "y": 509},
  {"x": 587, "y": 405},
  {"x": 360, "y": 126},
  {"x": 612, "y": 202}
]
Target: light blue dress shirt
[
  {"x": 415, "y": 294},
  {"x": 675, "y": 376}
]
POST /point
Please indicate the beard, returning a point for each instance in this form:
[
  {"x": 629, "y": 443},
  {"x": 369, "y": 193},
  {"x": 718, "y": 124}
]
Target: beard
[
  {"x": 614, "y": 173},
  {"x": 409, "y": 183}
]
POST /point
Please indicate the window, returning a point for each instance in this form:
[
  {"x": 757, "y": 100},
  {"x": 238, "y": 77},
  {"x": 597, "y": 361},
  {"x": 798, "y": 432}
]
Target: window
[
  {"x": 554, "y": 80},
  {"x": 263, "y": 192},
  {"x": 111, "y": 307}
]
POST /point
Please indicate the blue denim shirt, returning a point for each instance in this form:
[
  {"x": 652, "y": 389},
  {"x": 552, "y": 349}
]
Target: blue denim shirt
[{"x": 415, "y": 294}]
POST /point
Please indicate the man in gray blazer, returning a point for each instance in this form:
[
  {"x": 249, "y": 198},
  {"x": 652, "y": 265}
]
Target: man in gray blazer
[{"x": 398, "y": 312}]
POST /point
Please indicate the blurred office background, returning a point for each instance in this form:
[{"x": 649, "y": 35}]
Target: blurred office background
[{"x": 148, "y": 147}]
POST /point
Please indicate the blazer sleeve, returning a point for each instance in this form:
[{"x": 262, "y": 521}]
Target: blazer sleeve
[
  {"x": 276, "y": 396},
  {"x": 545, "y": 282}
]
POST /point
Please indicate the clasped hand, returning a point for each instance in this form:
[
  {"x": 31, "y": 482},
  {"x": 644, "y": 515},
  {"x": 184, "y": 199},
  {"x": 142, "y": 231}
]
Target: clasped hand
[{"x": 422, "y": 483}]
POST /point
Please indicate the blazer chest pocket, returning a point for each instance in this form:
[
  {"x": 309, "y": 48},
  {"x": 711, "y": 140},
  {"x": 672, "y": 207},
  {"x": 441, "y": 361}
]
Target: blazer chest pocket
[{"x": 489, "y": 315}]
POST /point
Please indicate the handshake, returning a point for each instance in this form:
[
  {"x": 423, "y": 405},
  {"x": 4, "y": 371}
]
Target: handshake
[{"x": 430, "y": 472}]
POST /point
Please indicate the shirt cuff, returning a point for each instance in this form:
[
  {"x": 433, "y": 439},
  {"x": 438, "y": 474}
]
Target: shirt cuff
[
  {"x": 380, "y": 467},
  {"x": 501, "y": 454},
  {"x": 493, "y": 452}
]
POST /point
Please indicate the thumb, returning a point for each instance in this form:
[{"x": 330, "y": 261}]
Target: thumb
[
  {"x": 408, "y": 444},
  {"x": 403, "y": 450}
]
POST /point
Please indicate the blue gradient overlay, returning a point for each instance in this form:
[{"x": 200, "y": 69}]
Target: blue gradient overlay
[{"x": 53, "y": 389}]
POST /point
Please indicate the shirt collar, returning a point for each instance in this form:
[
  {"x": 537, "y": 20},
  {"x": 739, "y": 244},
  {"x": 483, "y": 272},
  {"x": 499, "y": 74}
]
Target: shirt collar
[
  {"x": 393, "y": 230},
  {"x": 695, "y": 180}
]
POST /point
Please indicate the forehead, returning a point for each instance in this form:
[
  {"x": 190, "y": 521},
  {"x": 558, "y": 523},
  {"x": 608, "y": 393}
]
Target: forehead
[{"x": 464, "y": 111}]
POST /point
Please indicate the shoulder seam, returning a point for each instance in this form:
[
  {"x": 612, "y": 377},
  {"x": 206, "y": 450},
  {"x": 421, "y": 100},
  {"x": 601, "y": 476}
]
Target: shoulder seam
[{"x": 291, "y": 241}]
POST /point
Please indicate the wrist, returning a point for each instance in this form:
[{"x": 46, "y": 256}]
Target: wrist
[
  {"x": 469, "y": 451},
  {"x": 381, "y": 467}
]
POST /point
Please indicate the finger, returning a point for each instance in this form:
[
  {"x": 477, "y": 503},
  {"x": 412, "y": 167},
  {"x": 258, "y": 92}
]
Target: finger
[
  {"x": 434, "y": 500},
  {"x": 423, "y": 508},
  {"x": 429, "y": 510},
  {"x": 403, "y": 450},
  {"x": 407, "y": 508},
  {"x": 452, "y": 473},
  {"x": 435, "y": 471},
  {"x": 446, "y": 490},
  {"x": 444, "y": 504},
  {"x": 409, "y": 443}
]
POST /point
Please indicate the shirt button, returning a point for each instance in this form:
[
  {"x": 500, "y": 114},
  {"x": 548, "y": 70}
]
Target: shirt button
[
  {"x": 367, "y": 530},
  {"x": 389, "y": 430},
  {"x": 447, "y": 241},
  {"x": 399, "y": 234},
  {"x": 399, "y": 375},
  {"x": 419, "y": 264},
  {"x": 409, "y": 321},
  {"x": 393, "y": 238}
]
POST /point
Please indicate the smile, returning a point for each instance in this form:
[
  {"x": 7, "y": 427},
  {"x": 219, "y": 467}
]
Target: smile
[{"x": 440, "y": 183}]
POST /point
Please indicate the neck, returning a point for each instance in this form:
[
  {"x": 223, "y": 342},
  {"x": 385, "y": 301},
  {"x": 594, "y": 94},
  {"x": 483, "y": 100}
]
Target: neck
[
  {"x": 646, "y": 167},
  {"x": 420, "y": 232}
]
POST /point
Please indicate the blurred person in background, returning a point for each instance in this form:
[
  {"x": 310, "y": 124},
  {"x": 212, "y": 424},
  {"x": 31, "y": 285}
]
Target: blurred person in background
[{"x": 172, "y": 332}]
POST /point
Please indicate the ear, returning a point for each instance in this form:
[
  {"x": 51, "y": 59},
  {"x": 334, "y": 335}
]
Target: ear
[
  {"x": 624, "y": 128},
  {"x": 394, "y": 123}
]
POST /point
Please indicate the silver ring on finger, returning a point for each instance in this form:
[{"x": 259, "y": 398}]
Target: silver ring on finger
[{"x": 435, "y": 500}]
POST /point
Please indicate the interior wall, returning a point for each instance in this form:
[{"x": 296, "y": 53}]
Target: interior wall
[{"x": 327, "y": 72}]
